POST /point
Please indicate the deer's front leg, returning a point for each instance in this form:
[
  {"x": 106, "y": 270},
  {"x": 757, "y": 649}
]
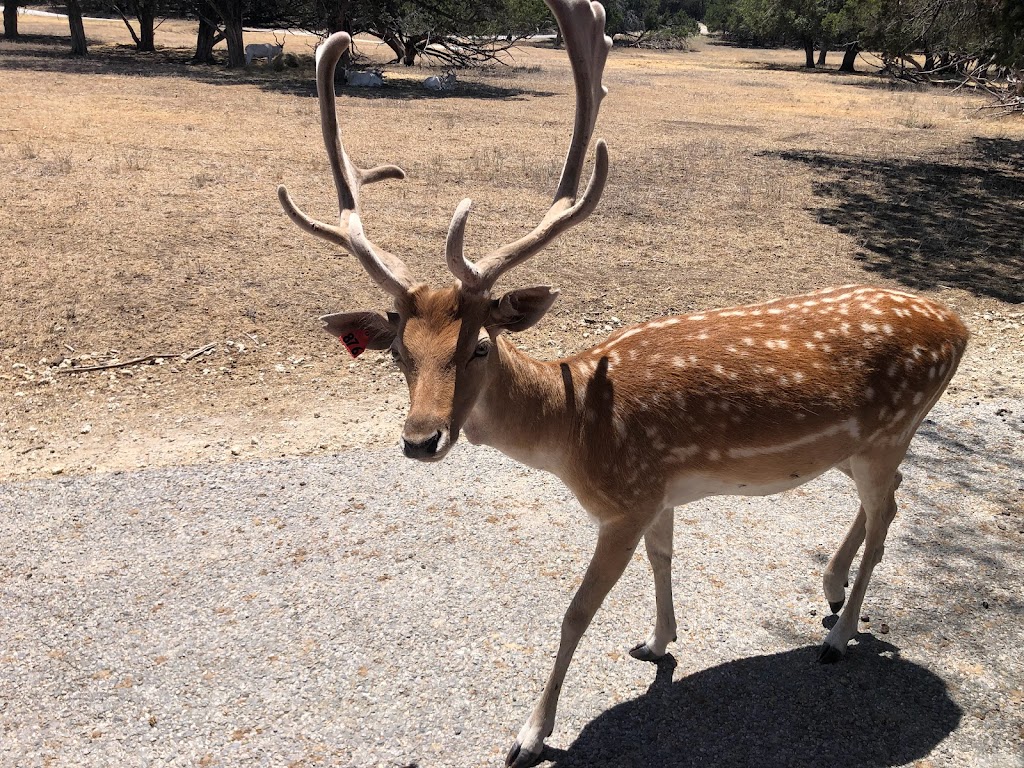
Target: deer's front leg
[{"x": 616, "y": 542}]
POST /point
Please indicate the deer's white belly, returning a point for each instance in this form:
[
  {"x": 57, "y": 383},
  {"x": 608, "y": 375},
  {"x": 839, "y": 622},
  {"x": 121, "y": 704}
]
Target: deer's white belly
[{"x": 694, "y": 486}]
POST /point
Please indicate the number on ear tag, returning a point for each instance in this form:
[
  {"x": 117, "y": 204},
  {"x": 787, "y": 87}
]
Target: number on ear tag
[{"x": 355, "y": 341}]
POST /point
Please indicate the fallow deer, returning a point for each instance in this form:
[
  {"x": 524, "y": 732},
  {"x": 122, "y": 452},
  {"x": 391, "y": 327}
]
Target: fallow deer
[
  {"x": 750, "y": 400},
  {"x": 263, "y": 51},
  {"x": 369, "y": 79},
  {"x": 443, "y": 82}
]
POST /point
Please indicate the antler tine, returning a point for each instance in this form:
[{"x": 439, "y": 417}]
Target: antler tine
[
  {"x": 386, "y": 269},
  {"x": 582, "y": 24}
]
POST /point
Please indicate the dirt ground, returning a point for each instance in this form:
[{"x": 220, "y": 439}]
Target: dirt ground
[{"x": 138, "y": 217}]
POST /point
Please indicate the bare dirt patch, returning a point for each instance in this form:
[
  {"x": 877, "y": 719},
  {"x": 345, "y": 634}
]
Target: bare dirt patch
[{"x": 138, "y": 216}]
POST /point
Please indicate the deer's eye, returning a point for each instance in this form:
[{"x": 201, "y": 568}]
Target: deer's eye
[{"x": 483, "y": 348}]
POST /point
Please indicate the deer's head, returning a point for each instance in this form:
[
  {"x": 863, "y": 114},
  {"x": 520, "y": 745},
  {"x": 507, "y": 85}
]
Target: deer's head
[{"x": 443, "y": 338}]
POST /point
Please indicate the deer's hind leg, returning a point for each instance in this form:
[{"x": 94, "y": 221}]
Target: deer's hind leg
[
  {"x": 658, "y": 541},
  {"x": 837, "y": 572},
  {"x": 876, "y": 477}
]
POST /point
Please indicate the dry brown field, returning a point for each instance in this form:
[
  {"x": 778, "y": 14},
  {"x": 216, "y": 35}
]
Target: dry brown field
[{"x": 138, "y": 216}]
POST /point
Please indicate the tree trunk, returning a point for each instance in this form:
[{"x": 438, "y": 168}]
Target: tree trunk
[
  {"x": 10, "y": 19},
  {"x": 338, "y": 18},
  {"x": 392, "y": 42},
  {"x": 205, "y": 40},
  {"x": 78, "y": 44},
  {"x": 413, "y": 46},
  {"x": 809, "y": 54},
  {"x": 147, "y": 26},
  {"x": 929, "y": 60},
  {"x": 230, "y": 12},
  {"x": 209, "y": 35},
  {"x": 822, "y": 53},
  {"x": 850, "y": 57},
  {"x": 236, "y": 42}
]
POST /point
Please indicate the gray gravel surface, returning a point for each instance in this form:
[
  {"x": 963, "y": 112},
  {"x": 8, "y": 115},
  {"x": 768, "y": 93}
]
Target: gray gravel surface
[{"x": 364, "y": 610}]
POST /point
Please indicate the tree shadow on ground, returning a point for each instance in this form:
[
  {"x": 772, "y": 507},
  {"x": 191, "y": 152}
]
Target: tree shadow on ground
[
  {"x": 981, "y": 462},
  {"x": 984, "y": 465},
  {"x": 885, "y": 83},
  {"x": 955, "y": 220},
  {"x": 46, "y": 53},
  {"x": 873, "y": 709},
  {"x": 868, "y": 77}
]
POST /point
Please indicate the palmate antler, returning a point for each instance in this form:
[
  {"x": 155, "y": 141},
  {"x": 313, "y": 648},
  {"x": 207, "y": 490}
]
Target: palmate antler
[
  {"x": 387, "y": 270},
  {"x": 582, "y": 25}
]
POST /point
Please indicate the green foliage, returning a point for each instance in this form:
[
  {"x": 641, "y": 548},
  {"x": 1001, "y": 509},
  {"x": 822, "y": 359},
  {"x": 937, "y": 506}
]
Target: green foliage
[
  {"x": 525, "y": 16},
  {"x": 667, "y": 17},
  {"x": 1010, "y": 26},
  {"x": 784, "y": 22},
  {"x": 983, "y": 28}
]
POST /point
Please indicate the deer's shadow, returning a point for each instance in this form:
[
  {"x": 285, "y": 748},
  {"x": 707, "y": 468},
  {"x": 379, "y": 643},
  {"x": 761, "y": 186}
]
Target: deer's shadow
[{"x": 871, "y": 710}]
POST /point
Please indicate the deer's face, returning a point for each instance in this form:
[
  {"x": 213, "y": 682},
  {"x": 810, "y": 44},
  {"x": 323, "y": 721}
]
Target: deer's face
[
  {"x": 442, "y": 348},
  {"x": 442, "y": 341}
]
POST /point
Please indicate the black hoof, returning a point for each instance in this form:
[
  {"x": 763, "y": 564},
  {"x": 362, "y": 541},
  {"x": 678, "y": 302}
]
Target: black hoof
[
  {"x": 829, "y": 654},
  {"x": 642, "y": 652},
  {"x": 512, "y": 753},
  {"x": 517, "y": 758},
  {"x": 835, "y": 606}
]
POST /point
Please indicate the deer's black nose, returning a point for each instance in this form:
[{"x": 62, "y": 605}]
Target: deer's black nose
[{"x": 422, "y": 450}]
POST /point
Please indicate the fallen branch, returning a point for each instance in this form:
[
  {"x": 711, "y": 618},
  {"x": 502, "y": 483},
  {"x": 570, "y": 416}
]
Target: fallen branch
[
  {"x": 105, "y": 366},
  {"x": 1009, "y": 107},
  {"x": 197, "y": 352},
  {"x": 185, "y": 357}
]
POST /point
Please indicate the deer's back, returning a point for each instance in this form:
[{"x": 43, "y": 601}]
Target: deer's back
[{"x": 764, "y": 394}]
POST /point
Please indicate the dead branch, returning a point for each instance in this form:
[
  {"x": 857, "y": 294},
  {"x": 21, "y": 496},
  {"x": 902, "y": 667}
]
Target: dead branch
[
  {"x": 125, "y": 363},
  {"x": 967, "y": 71},
  {"x": 1007, "y": 103},
  {"x": 197, "y": 352},
  {"x": 185, "y": 357}
]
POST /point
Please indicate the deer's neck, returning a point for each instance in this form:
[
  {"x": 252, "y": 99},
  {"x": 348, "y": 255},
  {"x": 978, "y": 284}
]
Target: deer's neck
[{"x": 526, "y": 410}]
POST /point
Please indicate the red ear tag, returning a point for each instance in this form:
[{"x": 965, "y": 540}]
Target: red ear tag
[{"x": 355, "y": 341}]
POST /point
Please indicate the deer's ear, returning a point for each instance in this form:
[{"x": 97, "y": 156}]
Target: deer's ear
[
  {"x": 518, "y": 310},
  {"x": 360, "y": 331}
]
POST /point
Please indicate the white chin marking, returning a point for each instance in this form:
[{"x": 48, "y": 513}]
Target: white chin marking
[{"x": 443, "y": 444}]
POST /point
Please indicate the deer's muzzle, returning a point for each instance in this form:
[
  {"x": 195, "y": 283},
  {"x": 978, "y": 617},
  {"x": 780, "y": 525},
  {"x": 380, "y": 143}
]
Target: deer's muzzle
[{"x": 432, "y": 448}]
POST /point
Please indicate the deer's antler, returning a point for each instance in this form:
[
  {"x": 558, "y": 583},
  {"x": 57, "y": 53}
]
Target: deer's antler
[
  {"x": 387, "y": 270},
  {"x": 582, "y": 25}
]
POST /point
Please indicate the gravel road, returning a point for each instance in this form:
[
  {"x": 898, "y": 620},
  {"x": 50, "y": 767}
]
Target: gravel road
[{"x": 363, "y": 610}]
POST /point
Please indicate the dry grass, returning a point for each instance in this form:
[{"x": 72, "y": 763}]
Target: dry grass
[{"x": 138, "y": 215}]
